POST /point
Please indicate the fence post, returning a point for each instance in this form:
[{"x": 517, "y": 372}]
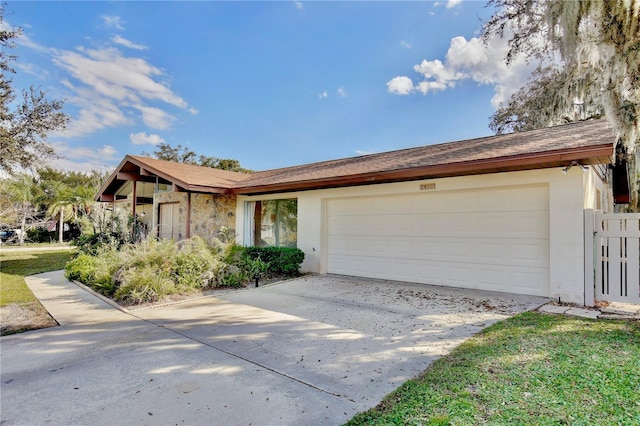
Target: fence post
[{"x": 589, "y": 266}]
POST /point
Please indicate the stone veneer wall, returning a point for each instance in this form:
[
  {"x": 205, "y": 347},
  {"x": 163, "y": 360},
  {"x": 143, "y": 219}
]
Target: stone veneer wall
[
  {"x": 171, "y": 197},
  {"x": 209, "y": 213}
]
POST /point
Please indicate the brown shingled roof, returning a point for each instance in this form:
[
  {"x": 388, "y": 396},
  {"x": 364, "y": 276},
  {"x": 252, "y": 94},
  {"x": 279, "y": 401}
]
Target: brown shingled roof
[
  {"x": 588, "y": 142},
  {"x": 186, "y": 176},
  {"x": 191, "y": 176}
]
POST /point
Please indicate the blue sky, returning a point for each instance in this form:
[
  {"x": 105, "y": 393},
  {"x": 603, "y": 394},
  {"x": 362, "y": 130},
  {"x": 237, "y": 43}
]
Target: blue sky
[{"x": 271, "y": 84}]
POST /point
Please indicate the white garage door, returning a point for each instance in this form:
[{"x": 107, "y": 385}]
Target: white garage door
[{"x": 491, "y": 239}]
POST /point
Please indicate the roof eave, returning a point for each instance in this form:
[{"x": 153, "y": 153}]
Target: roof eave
[
  {"x": 208, "y": 189},
  {"x": 111, "y": 178},
  {"x": 597, "y": 154}
]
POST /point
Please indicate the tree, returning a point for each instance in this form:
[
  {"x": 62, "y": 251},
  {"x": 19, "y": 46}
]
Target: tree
[
  {"x": 180, "y": 154},
  {"x": 70, "y": 195},
  {"x": 541, "y": 104},
  {"x": 24, "y": 126},
  {"x": 21, "y": 191},
  {"x": 60, "y": 204},
  {"x": 596, "y": 44}
]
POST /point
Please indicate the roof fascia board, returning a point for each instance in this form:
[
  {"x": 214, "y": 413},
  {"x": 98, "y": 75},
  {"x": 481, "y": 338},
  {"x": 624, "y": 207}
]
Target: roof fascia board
[{"x": 209, "y": 189}]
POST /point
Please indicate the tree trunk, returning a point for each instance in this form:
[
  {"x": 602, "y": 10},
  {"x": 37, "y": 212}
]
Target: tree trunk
[
  {"x": 61, "y": 226},
  {"x": 23, "y": 226}
]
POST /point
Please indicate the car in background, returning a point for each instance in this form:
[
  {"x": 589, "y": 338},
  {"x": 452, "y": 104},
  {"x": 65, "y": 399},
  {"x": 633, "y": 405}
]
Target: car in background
[{"x": 8, "y": 235}]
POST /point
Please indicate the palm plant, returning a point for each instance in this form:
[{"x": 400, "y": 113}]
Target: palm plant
[
  {"x": 22, "y": 192},
  {"x": 61, "y": 202}
]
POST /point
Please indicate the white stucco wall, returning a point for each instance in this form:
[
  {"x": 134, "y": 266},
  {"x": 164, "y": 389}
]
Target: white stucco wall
[{"x": 569, "y": 195}]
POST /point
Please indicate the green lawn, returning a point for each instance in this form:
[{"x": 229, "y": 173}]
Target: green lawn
[
  {"x": 531, "y": 369},
  {"x": 14, "y": 266}
]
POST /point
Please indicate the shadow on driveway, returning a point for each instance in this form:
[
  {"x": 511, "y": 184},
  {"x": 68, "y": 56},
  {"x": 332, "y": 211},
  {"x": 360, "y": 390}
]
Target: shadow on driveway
[{"x": 316, "y": 350}]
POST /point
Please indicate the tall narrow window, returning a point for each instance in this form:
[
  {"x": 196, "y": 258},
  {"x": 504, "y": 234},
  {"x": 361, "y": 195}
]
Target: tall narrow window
[
  {"x": 271, "y": 223},
  {"x": 169, "y": 221}
]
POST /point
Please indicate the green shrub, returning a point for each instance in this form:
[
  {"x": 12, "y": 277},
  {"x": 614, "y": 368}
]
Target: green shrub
[
  {"x": 234, "y": 279},
  {"x": 255, "y": 268},
  {"x": 106, "y": 265},
  {"x": 144, "y": 284},
  {"x": 150, "y": 252},
  {"x": 41, "y": 235},
  {"x": 194, "y": 266},
  {"x": 282, "y": 260},
  {"x": 150, "y": 269},
  {"x": 91, "y": 244},
  {"x": 81, "y": 268},
  {"x": 94, "y": 271}
]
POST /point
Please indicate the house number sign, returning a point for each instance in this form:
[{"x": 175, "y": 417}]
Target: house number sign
[{"x": 427, "y": 186}]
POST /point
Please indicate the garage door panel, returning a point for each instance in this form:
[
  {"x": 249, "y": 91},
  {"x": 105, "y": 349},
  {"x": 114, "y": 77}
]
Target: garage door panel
[
  {"x": 473, "y": 251},
  {"x": 475, "y": 276},
  {"x": 464, "y": 224},
  {"x": 494, "y": 239}
]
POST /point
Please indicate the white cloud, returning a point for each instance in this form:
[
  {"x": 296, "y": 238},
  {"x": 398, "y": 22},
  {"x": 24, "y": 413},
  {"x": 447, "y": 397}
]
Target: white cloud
[
  {"x": 341, "y": 92},
  {"x": 467, "y": 60},
  {"x": 155, "y": 118},
  {"x": 323, "y": 95},
  {"x": 142, "y": 138},
  {"x": 405, "y": 44},
  {"x": 30, "y": 68},
  {"x": 193, "y": 111},
  {"x": 400, "y": 85},
  {"x": 83, "y": 158},
  {"x": 95, "y": 112},
  {"x": 116, "y": 76},
  {"x": 23, "y": 39},
  {"x": 127, "y": 43},
  {"x": 298, "y": 4},
  {"x": 106, "y": 152},
  {"x": 113, "y": 21},
  {"x": 452, "y": 3},
  {"x": 360, "y": 152},
  {"x": 111, "y": 89}
]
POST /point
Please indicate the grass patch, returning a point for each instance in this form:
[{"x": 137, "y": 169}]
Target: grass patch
[
  {"x": 14, "y": 266},
  {"x": 35, "y": 246},
  {"x": 530, "y": 369}
]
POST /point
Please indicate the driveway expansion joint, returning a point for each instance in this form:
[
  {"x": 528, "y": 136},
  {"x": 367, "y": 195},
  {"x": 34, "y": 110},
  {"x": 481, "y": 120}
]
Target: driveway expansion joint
[{"x": 241, "y": 358}]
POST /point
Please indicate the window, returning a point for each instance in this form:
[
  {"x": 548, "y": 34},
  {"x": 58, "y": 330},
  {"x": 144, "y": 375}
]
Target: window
[
  {"x": 271, "y": 223},
  {"x": 169, "y": 221}
]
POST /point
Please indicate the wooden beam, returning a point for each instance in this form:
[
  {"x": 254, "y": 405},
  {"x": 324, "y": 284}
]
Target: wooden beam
[
  {"x": 145, "y": 172},
  {"x": 106, "y": 198},
  {"x": 144, "y": 200},
  {"x": 134, "y": 177}
]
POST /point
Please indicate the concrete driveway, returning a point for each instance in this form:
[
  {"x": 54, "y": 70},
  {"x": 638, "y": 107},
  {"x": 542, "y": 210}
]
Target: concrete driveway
[{"x": 315, "y": 350}]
